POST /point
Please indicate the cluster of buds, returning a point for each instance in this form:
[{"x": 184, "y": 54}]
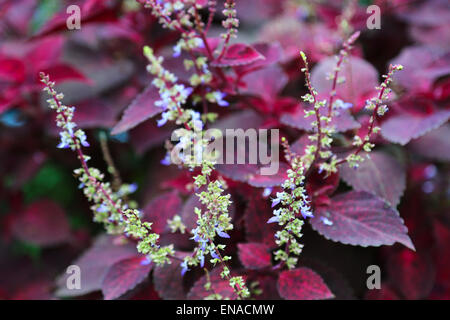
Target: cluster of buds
[
  {"x": 147, "y": 241},
  {"x": 108, "y": 206},
  {"x": 376, "y": 105},
  {"x": 70, "y": 138},
  {"x": 212, "y": 223},
  {"x": 293, "y": 208},
  {"x": 215, "y": 221},
  {"x": 173, "y": 95},
  {"x": 341, "y": 58},
  {"x": 322, "y": 136},
  {"x": 184, "y": 17},
  {"x": 324, "y": 130},
  {"x": 231, "y": 23}
]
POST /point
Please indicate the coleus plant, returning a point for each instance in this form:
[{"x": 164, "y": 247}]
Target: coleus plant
[{"x": 207, "y": 73}]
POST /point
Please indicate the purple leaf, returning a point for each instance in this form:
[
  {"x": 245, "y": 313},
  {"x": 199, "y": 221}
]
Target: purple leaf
[
  {"x": 168, "y": 280},
  {"x": 361, "y": 218},
  {"x": 272, "y": 53},
  {"x": 434, "y": 63},
  {"x": 402, "y": 128},
  {"x": 302, "y": 284},
  {"x": 266, "y": 82},
  {"x": 434, "y": 145},
  {"x": 218, "y": 285},
  {"x": 265, "y": 181},
  {"x": 95, "y": 263},
  {"x": 381, "y": 175},
  {"x": 160, "y": 209},
  {"x": 141, "y": 109},
  {"x": 411, "y": 273},
  {"x": 123, "y": 276},
  {"x": 254, "y": 255},
  {"x": 237, "y": 55},
  {"x": 257, "y": 214}
]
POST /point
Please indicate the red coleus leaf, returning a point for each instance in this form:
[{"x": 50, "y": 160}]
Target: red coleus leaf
[
  {"x": 334, "y": 279},
  {"x": 342, "y": 122},
  {"x": 95, "y": 113},
  {"x": 141, "y": 109},
  {"x": 160, "y": 209},
  {"x": 168, "y": 280},
  {"x": 411, "y": 273},
  {"x": 403, "y": 128},
  {"x": 361, "y": 79},
  {"x": 145, "y": 292},
  {"x": 433, "y": 145},
  {"x": 238, "y": 172},
  {"x": 147, "y": 135},
  {"x": 273, "y": 180},
  {"x": 95, "y": 263},
  {"x": 64, "y": 72},
  {"x": 434, "y": 63},
  {"x": 124, "y": 276},
  {"x": 257, "y": 214},
  {"x": 320, "y": 186},
  {"x": 254, "y": 12},
  {"x": 302, "y": 284},
  {"x": 212, "y": 42},
  {"x": 266, "y": 82},
  {"x": 299, "y": 146},
  {"x": 43, "y": 223},
  {"x": 182, "y": 182},
  {"x": 244, "y": 120},
  {"x": 12, "y": 70},
  {"x": 117, "y": 30},
  {"x": 254, "y": 255},
  {"x": 292, "y": 34},
  {"x": 237, "y": 55},
  {"x": 381, "y": 175},
  {"x": 427, "y": 14},
  {"x": 360, "y": 218},
  {"x": 268, "y": 285},
  {"x": 272, "y": 53},
  {"x": 45, "y": 52},
  {"x": 91, "y": 11},
  {"x": 218, "y": 286}
]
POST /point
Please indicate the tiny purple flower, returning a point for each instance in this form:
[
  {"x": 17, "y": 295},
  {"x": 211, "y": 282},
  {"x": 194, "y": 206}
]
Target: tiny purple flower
[
  {"x": 146, "y": 261},
  {"x": 274, "y": 219},
  {"x": 267, "y": 192},
  {"x": 214, "y": 255},
  {"x": 223, "y": 234},
  {"x": 184, "y": 268},
  {"x": 220, "y": 99},
  {"x": 102, "y": 208},
  {"x": 306, "y": 212},
  {"x": 275, "y": 202},
  {"x": 163, "y": 120},
  {"x": 133, "y": 187}
]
